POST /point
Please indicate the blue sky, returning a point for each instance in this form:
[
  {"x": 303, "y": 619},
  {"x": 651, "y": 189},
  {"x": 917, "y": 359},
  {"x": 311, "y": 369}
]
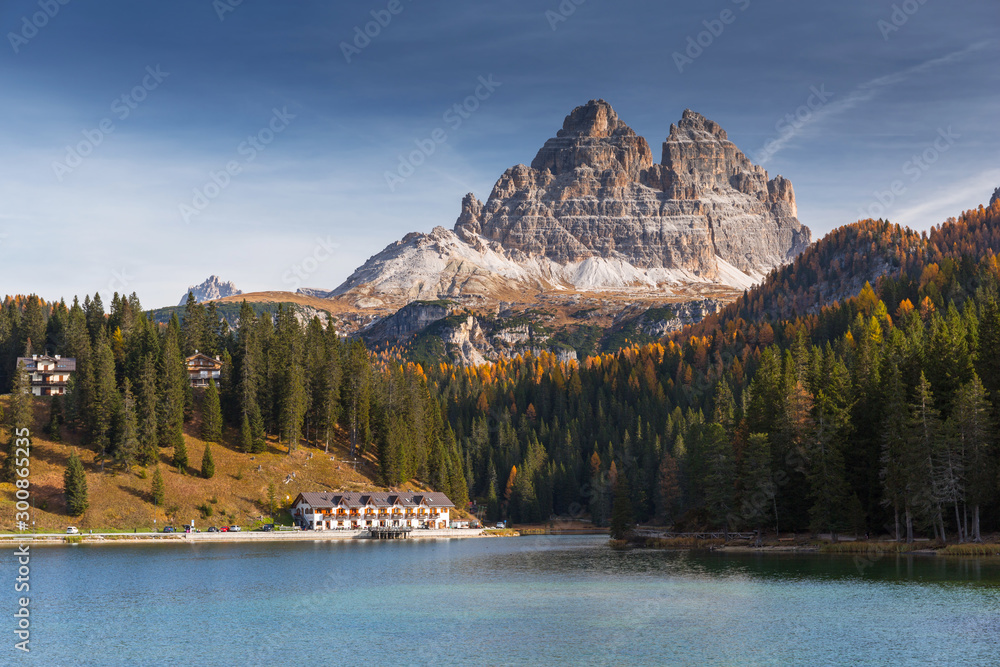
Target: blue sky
[{"x": 247, "y": 141}]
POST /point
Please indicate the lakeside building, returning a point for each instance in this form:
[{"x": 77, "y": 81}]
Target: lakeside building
[
  {"x": 331, "y": 510},
  {"x": 49, "y": 376},
  {"x": 201, "y": 368}
]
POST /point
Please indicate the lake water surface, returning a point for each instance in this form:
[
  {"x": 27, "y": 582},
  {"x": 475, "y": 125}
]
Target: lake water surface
[{"x": 530, "y": 600}]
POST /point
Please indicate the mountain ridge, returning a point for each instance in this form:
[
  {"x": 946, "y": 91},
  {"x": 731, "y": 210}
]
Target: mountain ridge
[{"x": 593, "y": 212}]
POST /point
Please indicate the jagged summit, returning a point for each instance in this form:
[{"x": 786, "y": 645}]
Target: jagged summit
[
  {"x": 593, "y": 212},
  {"x": 213, "y": 288}
]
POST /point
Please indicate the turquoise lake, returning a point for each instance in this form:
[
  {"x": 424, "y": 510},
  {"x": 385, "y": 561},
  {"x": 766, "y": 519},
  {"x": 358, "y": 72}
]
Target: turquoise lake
[{"x": 529, "y": 600}]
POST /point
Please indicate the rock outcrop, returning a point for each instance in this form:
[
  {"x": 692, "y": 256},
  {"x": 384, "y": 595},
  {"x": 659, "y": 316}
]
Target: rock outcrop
[
  {"x": 213, "y": 288},
  {"x": 594, "y": 212}
]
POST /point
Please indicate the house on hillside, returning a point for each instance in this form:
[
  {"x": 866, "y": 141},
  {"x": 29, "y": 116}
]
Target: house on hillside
[
  {"x": 354, "y": 511},
  {"x": 49, "y": 376},
  {"x": 201, "y": 368}
]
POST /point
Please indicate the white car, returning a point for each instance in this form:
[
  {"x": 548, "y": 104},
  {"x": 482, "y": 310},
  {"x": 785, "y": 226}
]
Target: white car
[{"x": 72, "y": 531}]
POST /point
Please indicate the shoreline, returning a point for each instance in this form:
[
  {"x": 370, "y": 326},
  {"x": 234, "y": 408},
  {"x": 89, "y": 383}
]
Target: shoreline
[{"x": 61, "y": 539}]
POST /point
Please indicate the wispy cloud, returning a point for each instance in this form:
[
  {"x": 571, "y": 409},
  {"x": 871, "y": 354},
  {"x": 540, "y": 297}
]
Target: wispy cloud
[
  {"x": 949, "y": 200},
  {"x": 866, "y": 92}
]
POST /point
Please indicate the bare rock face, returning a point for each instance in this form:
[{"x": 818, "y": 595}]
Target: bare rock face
[
  {"x": 593, "y": 211},
  {"x": 213, "y": 288}
]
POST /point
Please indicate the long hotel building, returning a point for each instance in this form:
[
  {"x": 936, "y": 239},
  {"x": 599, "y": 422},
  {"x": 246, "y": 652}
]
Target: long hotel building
[{"x": 354, "y": 511}]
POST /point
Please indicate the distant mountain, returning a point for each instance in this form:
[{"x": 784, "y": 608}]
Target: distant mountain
[
  {"x": 211, "y": 289},
  {"x": 593, "y": 212}
]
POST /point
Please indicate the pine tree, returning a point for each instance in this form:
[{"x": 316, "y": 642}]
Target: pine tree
[
  {"x": 159, "y": 489},
  {"x": 246, "y": 435},
  {"x": 105, "y": 398},
  {"x": 180, "y": 459},
  {"x": 56, "y": 418},
  {"x": 828, "y": 486},
  {"x": 211, "y": 415},
  {"x": 668, "y": 489},
  {"x": 622, "y": 518},
  {"x": 75, "y": 486},
  {"x": 21, "y": 406},
  {"x": 893, "y": 471},
  {"x": 172, "y": 385},
  {"x": 974, "y": 430},
  {"x": 126, "y": 450},
  {"x": 146, "y": 403},
  {"x": 207, "y": 464},
  {"x": 756, "y": 483},
  {"x": 720, "y": 479},
  {"x": 923, "y": 442}
]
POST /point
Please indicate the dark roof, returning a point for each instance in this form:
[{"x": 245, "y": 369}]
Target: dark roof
[
  {"x": 66, "y": 364},
  {"x": 376, "y": 499}
]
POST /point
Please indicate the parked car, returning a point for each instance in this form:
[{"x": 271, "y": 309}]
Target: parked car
[
  {"x": 168, "y": 529},
  {"x": 72, "y": 530},
  {"x": 234, "y": 529},
  {"x": 224, "y": 529},
  {"x": 267, "y": 527},
  {"x": 501, "y": 525},
  {"x": 213, "y": 529}
]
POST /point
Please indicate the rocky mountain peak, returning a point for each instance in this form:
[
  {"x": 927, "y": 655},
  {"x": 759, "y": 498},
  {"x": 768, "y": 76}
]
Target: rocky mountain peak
[
  {"x": 695, "y": 127},
  {"x": 594, "y": 137},
  {"x": 593, "y": 211},
  {"x": 594, "y": 119},
  {"x": 213, "y": 288}
]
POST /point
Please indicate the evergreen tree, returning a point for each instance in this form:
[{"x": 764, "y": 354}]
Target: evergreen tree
[
  {"x": 207, "y": 464},
  {"x": 75, "y": 486},
  {"x": 172, "y": 386},
  {"x": 146, "y": 403},
  {"x": 622, "y": 518},
  {"x": 756, "y": 483},
  {"x": 180, "y": 459},
  {"x": 827, "y": 480},
  {"x": 104, "y": 397},
  {"x": 56, "y": 418},
  {"x": 211, "y": 415},
  {"x": 923, "y": 441},
  {"x": 974, "y": 430},
  {"x": 893, "y": 470},
  {"x": 126, "y": 449},
  {"x": 668, "y": 489},
  {"x": 159, "y": 488},
  {"x": 720, "y": 495},
  {"x": 20, "y": 419}
]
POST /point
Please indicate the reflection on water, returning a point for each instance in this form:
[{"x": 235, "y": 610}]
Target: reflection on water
[{"x": 555, "y": 600}]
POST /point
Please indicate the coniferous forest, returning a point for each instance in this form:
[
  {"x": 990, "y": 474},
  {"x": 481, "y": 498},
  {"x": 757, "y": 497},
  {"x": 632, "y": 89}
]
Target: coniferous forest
[{"x": 856, "y": 391}]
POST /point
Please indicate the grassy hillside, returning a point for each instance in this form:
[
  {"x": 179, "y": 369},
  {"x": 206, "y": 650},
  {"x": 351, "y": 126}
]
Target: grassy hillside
[{"x": 237, "y": 494}]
